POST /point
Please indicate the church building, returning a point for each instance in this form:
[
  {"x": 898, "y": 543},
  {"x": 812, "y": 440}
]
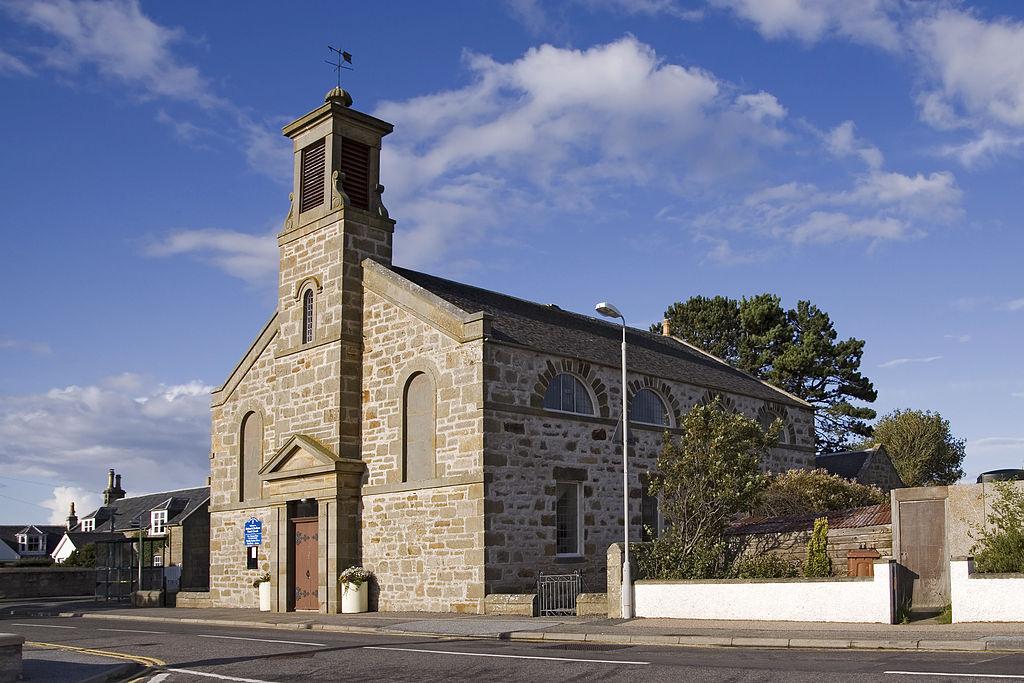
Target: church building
[{"x": 455, "y": 441}]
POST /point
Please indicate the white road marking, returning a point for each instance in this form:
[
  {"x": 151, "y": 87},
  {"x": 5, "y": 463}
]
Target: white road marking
[
  {"x": 953, "y": 675},
  {"x": 265, "y": 640},
  {"x": 217, "y": 676},
  {"x": 488, "y": 654},
  {"x": 128, "y": 630},
  {"x": 159, "y": 678},
  {"x": 44, "y": 626}
]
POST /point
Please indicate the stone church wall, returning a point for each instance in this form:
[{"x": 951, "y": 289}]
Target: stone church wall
[
  {"x": 529, "y": 449},
  {"x": 423, "y": 540}
]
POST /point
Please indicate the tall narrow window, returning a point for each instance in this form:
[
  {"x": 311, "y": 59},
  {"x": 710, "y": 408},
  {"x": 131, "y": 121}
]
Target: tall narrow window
[
  {"x": 312, "y": 178},
  {"x": 418, "y": 429},
  {"x": 355, "y": 164},
  {"x": 250, "y": 450},
  {"x": 307, "y": 316},
  {"x": 158, "y": 522},
  {"x": 649, "y": 514},
  {"x": 568, "y": 521}
]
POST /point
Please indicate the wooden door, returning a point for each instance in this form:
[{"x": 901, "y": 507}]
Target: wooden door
[
  {"x": 306, "y": 576},
  {"x": 923, "y": 552}
]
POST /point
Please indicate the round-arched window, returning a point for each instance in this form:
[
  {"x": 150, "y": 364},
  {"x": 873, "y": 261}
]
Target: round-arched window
[
  {"x": 648, "y": 408},
  {"x": 567, "y": 394}
]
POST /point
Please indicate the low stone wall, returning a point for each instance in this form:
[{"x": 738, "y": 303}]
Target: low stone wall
[
  {"x": 192, "y": 599},
  {"x": 592, "y": 605},
  {"x": 46, "y": 582},
  {"x": 851, "y": 600},
  {"x": 512, "y": 604},
  {"x": 984, "y": 597},
  {"x": 10, "y": 657}
]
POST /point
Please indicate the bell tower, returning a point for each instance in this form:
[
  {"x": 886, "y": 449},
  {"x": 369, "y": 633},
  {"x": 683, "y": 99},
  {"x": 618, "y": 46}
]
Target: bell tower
[{"x": 336, "y": 220}]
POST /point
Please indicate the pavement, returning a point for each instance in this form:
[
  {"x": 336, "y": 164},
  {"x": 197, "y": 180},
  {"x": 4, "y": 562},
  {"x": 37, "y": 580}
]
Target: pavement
[{"x": 926, "y": 635}]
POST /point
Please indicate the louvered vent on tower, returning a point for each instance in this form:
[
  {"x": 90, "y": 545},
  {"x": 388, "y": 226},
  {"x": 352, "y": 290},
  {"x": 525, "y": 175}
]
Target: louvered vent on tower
[
  {"x": 311, "y": 178},
  {"x": 355, "y": 164}
]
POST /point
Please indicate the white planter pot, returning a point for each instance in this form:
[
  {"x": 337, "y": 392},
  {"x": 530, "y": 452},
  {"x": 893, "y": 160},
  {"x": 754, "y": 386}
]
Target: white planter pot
[
  {"x": 354, "y": 600},
  {"x": 266, "y": 593}
]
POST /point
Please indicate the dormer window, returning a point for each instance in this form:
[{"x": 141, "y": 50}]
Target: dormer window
[
  {"x": 89, "y": 524},
  {"x": 158, "y": 522},
  {"x": 30, "y": 543}
]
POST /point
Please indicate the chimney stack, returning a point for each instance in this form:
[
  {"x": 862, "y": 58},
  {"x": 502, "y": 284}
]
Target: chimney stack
[
  {"x": 72, "y": 517},
  {"x": 666, "y": 328},
  {"x": 113, "y": 491}
]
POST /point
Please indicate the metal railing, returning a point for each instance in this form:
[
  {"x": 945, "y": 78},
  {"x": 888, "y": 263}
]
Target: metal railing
[{"x": 556, "y": 594}]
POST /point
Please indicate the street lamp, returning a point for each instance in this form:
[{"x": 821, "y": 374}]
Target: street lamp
[{"x": 609, "y": 311}]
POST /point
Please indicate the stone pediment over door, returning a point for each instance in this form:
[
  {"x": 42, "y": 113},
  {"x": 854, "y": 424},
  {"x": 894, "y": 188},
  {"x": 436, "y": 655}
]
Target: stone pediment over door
[{"x": 304, "y": 467}]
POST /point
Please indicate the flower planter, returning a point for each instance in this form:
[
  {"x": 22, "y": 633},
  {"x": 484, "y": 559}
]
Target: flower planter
[
  {"x": 354, "y": 599},
  {"x": 266, "y": 593}
]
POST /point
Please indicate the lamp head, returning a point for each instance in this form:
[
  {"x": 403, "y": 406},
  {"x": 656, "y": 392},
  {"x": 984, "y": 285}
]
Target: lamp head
[{"x": 607, "y": 310}]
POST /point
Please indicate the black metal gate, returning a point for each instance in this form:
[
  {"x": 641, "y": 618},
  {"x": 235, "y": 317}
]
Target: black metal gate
[{"x": 556, "y": 594}]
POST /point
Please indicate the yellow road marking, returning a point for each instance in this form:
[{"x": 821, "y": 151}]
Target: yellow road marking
[{"x": 147, "y": 661}]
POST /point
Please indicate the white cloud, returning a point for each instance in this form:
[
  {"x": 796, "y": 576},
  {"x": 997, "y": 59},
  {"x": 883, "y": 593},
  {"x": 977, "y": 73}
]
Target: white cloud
[
  {"x": 842, "y": 141},
  {"x": 565, "y": 129},
  {"x": 959, "y": 338},
  {"x": 157, "y": 436},
  {"x": 1017, "y": 394},
  {"x": 36, "y": 347},
  {"x": 59, "y": 503},
  {"x": 124, "y": 46},
  {"x": 253, "y": 258},
  {"x": 10, "y": 64},
  {"x": 904, "y": 361},
  {"x": 868, "y": 22},
  {"x": 1015, "y": 305},
  {"x": 972, "y": 78}
]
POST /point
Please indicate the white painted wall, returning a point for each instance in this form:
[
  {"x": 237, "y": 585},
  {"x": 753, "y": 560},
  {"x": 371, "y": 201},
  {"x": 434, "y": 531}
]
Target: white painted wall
[
  {"x": 977, "y": 597},
  {"x": 838, "y": 600},
  {"x": 63, "y": 550}
]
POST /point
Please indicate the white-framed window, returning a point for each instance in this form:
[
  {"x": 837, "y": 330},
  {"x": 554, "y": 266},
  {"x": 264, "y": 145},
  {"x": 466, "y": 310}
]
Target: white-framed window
[
  {"x": 89, "y": 524},
  {"x": 567, "y": 394},
  {"x": 30, "y": 543},
  {"x": 158, "y": 522},
  {"x": 648, "y": 408},
  {"x": 568, "y": 518}
]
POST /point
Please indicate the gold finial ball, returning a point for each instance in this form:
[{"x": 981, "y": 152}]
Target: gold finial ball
[{"x": 340, "y": 96}]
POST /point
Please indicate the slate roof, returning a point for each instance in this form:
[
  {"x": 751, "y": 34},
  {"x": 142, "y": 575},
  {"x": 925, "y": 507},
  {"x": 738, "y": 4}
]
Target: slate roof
[
  {"x": 84, "y": 538},
  {"x": 553, "y": 330},
  {"x": 9, "y": 534},
  {"x": 127, "y": 511},
  {"x": 846, "y": 464},
  {"x": 853, "y": 518}
]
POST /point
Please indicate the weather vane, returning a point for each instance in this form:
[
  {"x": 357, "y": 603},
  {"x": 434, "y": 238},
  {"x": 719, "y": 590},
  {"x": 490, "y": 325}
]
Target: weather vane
[{"x": 343, "y": 58}]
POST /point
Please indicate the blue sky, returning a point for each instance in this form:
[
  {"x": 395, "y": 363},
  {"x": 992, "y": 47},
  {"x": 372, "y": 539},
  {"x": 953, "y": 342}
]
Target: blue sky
[{"x": 866, "y": 156}]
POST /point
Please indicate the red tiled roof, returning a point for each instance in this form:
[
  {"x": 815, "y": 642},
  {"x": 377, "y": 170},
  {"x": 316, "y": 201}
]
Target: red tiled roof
[{"x": 852, "y": 518}]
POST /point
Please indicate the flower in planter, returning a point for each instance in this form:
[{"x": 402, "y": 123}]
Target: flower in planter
[
  {"x": 262, "y": 578},
  {"x": 356, "y": 576}
]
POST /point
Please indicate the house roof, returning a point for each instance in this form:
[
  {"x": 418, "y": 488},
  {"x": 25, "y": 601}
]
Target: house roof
[
  {"x": 9, "y": 534},
  {"x": 553, "y": 330},
  {"x": 846, "y": 464},
  {"x": 852, "y": 518},
  {"x": 127, "y": 511},
  {"x": 84, "y": 538}
]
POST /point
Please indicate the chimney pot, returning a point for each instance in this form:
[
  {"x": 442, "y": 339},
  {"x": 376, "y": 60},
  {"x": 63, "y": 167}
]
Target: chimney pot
[{"x": 666, "y": 328}]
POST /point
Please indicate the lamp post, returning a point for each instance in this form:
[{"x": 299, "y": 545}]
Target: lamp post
[{"x": 608, "y": 310}]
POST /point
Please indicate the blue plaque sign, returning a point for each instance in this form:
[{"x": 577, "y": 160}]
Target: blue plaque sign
[{"x": 253, "y": 532}]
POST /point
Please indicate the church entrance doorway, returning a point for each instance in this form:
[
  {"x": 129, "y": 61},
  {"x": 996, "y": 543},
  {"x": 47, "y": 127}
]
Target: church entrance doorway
[{"x": 304, "y": 544}]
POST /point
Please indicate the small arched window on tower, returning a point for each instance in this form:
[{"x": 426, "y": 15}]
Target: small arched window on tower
[
  {"x": 567, "y": 394},
  {"x": 250, "y": 455},
  {"x": 767, "y": 416},
  {"x": 418, "y": 428},
  {"x": 307, "y": 316},
  {"x": 648, "y": 408}
]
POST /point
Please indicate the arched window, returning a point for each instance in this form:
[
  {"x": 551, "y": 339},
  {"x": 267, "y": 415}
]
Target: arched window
[
  {"x": 567, "y": 394},
  {"x": 767, "y": 418},
  {"x": 250, "y": 450},
  {"x": 648, "y": 408},
  {"x": 307, "y": 316},
  {"x": 418, "y": 428}
]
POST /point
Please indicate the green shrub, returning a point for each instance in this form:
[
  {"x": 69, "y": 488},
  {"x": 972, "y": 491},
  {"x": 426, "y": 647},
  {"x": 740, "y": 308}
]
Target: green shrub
[
  {"x": 34, "y": 562},
  {"x": 82, "y": 557},
  {"x": 1000, "y": 546},
  {"x": 814, "y": 492},
  {"x": 818, "y": 561},
  {"x": 766, "y": 566}
]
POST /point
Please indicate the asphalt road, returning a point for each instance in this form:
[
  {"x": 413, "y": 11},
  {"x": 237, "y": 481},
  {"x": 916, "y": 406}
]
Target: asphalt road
[{"x": 199, "y": 653}]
